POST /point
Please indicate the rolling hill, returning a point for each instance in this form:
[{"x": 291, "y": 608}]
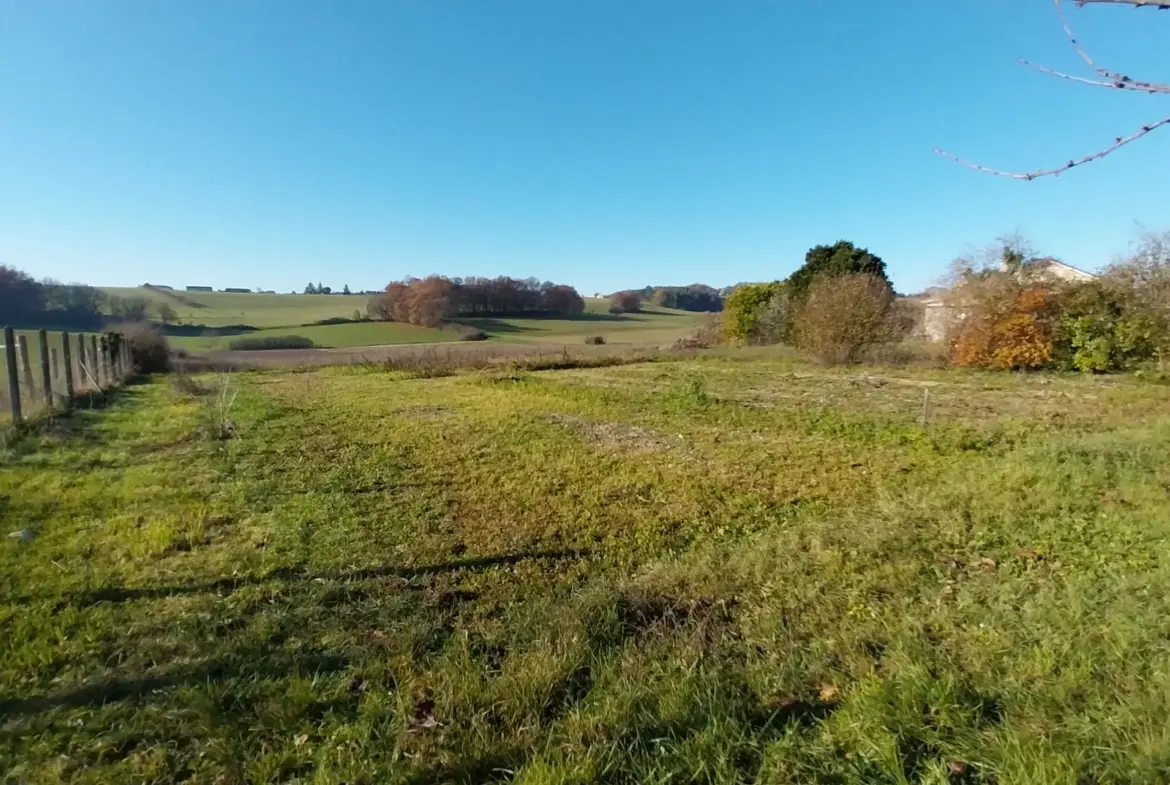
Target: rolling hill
[{"x": 209, "y": 320}]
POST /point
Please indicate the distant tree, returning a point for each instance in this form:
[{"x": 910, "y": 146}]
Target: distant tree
[
  {"x": 696, "y": 297},
  {"x": 319, "y": 289},
  {"x": 22, "y": 299},
  {"x": 324, "y": 289},
  {"x": 128, "y": 309},
  {"x": 418, "y": 301},
  {"x": 72, "y": 305},
  {"x": 833, "y": 261},
  {"x": 345, "y": 289},
  {"x": 311, "y": 288},
  {"x": 166, "y": 314},
  {"x": 625, "y": 302},
  {"x": 560, "y": 299}
]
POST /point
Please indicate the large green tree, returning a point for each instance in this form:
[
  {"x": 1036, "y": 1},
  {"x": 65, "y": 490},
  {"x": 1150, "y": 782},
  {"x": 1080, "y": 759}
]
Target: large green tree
[{"x": 833, "y": 261}]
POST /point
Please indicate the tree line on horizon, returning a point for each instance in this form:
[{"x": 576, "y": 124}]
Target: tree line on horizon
[
  {"x": 432, "y": 301},
  {"x": 696, "y": 297},
  {"x": 27, "y": 302}
]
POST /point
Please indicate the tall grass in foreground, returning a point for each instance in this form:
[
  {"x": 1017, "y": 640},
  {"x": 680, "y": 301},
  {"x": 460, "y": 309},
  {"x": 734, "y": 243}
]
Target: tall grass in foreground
[{"x": 722, "y": 571}]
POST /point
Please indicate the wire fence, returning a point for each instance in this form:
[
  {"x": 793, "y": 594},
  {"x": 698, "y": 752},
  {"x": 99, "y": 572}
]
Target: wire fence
[{"x": 44, "y": 371}]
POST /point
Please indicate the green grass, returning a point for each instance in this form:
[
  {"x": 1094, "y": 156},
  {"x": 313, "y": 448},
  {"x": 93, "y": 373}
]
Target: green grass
[
  {"x": 285, "y": 314},
  {"x": 734, "y": 569},
  {"x": 218, "y": 309},
  {"x": 655, "y": 325},
  {"x": 330, "y": 335}
]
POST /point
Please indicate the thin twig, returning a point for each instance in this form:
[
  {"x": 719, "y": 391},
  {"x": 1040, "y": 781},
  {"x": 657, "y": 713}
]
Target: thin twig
[
  {"x": 1052, "y": 72},
  {"x": 1121, "y": 141},
  {"x": 1119, "y": 81},
  {"x": 1161, "y": 5}
]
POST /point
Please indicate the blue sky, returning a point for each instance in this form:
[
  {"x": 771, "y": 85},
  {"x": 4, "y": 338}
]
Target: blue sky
[{"x": 602, "y": 143}]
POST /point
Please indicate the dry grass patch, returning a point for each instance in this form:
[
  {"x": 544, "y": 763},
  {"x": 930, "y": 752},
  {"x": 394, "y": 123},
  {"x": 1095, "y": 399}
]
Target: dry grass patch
[{"x": 616, "y": 436}]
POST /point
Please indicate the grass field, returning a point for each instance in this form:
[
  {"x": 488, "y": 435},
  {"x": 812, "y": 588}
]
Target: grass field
[
  {"x": 329, "y": 335},
  {"x": 286, "y": 314},
  {"x": 733, "y": 569},
  {"x": 219, "y": 309}
]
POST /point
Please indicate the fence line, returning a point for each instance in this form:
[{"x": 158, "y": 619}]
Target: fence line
[{"x": 103, "y": 364}]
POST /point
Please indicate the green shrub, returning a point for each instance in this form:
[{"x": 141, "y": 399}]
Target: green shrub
[
  {"x": 1103, "y": 328},
  {"x": 834, "y": 261},
  {"x": 261, "y": 342},
  {"x": 743, "y": 308},
  {"x": 595, "y": 340}
]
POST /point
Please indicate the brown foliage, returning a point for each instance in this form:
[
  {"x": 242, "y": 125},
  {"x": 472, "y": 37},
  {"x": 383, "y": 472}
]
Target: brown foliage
[
  {"x": 1003, "y": 323},
  {"x": 708, "y": 334},
  {"x": 433, "y": 300},
  {"x": 842, "y": 317},
  {"x": 625, "y": 302}
]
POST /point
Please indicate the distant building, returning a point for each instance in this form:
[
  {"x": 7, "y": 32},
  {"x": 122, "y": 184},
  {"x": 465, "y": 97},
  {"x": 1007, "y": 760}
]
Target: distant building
[
  {"x": 238, "y": 291},
  {"x": 201, "y": 288},
  {"x": 938, "y": 314}
]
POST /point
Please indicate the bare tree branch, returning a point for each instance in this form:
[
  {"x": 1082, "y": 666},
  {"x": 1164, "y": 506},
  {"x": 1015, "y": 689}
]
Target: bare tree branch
[
  {"x": 1119, "y": 80},
  {"x": 1161, "y": 5},
  {"x": 1046, "y": 70},
  {"x": 1121, "y": 141},
  {"x": 1110, "y": 79}
]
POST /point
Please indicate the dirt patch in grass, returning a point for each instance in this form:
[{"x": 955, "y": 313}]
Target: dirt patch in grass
[{"x": 615, "y": 436}]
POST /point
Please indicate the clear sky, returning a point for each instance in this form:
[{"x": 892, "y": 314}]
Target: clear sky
[{"x": 601, "y": 143}]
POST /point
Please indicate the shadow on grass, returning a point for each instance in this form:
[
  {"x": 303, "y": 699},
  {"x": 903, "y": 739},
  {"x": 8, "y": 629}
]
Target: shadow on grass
[
  {"x": 242, "y": 661},
  {"x": 491, "y": 325},
  {"x": 73, "y": 424},
  {"x": 205, "y": 331},
  {"x": 271, "y": 657},
  {"x": 231, "y": 583},
  {"x": 640, "y": 743}
]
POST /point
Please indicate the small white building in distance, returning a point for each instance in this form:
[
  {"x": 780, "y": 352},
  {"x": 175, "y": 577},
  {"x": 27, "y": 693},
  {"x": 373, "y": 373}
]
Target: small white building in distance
[{"x": 937, "y": 314}]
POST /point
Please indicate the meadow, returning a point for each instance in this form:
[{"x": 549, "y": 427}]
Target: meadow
[
  {"x": 288, "y": 314},
  {"x": 736, "y": 568}
]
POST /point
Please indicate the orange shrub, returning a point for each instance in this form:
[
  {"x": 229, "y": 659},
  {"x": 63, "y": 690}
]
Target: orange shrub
[{"x": 1006, "y": 327}]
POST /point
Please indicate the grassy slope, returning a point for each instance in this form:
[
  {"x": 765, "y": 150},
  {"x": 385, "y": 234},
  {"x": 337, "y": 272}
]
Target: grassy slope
[
  {"x": 655, "y": 325},
  {"x": 217, "y": 309},
  {"x": 284, "y": 314},
  {"x": 330, "y": 335},
  {"x": 708, "y": 571}
]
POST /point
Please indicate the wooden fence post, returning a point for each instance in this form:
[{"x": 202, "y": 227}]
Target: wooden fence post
[
  {"x": 116, "y": 357},
  {"x": 68, "y": 363},
  {"x": 25, "y": 365},
  {"x": 46, "y": 369},
  {"x": 94, "y": 370},
  {"x": 13, "y": 379},
  {"x": 107, "y": 371},
  {"x": 81, "y": 383}
]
